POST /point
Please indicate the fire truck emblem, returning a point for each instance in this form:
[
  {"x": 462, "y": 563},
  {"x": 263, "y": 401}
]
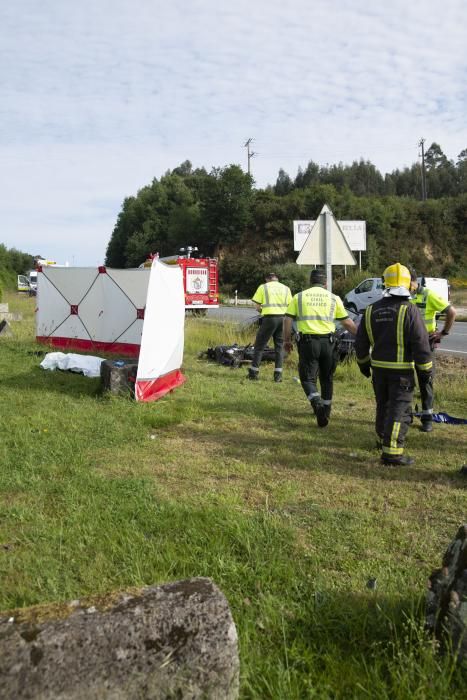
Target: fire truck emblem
[{"x": 197, "y": 283}]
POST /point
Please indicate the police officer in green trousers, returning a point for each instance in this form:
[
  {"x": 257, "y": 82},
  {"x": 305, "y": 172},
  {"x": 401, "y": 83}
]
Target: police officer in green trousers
[
  {"x": 430, "y": 304},
  {"x": 315, "y": 311},
  {"x": 271, "y": 299}
]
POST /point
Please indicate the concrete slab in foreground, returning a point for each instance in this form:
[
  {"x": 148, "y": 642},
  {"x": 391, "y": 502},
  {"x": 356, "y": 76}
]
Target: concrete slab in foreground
[{"x": 172, "y": 641}]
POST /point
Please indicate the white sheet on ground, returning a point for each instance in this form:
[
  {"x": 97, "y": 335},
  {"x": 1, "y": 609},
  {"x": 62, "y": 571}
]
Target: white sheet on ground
[{"x": 85, "y": 364}]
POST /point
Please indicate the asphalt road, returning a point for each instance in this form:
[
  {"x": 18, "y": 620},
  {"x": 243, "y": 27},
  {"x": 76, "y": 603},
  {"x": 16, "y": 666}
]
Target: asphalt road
[
  {"x": 453, "y": 344},
  {"x": 456, "y": 342},
  {"x": 232, "y": 314}
]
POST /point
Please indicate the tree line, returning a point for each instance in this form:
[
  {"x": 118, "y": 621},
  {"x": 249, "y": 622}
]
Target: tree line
[
  {"x": 12, "y": 263},
  {"x": 443, "y": 177},
  {"x": 250, "y": 229}
]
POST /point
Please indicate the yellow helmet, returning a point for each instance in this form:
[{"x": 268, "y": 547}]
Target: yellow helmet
[{"x": 396, "y": 277}]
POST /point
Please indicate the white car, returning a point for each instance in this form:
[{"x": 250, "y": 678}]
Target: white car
[
  {"x": 366, "y": 293},
  {"x": 371, "y": 290}
]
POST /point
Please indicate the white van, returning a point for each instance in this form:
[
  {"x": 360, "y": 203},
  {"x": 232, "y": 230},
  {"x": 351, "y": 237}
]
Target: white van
[
  {"x": 437, "y": 284},
  {"x": 371, "y": 290},
  {"x": 28, "y": 283}
]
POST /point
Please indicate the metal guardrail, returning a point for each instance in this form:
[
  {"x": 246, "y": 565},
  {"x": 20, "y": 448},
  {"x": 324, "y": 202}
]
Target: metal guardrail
[{"x": 239, "y": 302}]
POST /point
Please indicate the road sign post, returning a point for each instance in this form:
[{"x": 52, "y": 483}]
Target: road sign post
[{"x": 326, "y": 245}]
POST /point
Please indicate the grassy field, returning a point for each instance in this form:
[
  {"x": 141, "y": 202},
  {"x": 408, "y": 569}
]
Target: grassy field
[{"x": 232, "y": 479}]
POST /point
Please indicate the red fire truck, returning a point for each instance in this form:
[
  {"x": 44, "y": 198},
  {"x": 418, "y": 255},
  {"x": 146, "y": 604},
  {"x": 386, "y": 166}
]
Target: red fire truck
[{"x": 200, "y": 279}]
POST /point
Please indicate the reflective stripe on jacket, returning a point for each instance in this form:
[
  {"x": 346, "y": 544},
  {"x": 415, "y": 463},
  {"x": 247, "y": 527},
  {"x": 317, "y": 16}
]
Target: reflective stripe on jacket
[
  {"x": 392, "y": 335},
  {"x": 429, "y": 304},
  {"x": 274, "y": 298},
  {"x": 316, "y": 310}
]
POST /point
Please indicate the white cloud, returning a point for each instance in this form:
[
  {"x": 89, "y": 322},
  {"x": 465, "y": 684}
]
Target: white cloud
[{"x": 98, "y": 98}]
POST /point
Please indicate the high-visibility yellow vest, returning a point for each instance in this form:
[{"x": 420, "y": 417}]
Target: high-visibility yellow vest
[
  {"x": 316, "y": 310},
  {"x": 429, "y": 304},
  {"x": 274, "y": 298}
]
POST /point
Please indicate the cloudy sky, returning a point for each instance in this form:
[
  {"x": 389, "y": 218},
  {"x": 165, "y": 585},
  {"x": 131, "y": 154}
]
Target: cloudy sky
[{"x": 98, "y": 97}]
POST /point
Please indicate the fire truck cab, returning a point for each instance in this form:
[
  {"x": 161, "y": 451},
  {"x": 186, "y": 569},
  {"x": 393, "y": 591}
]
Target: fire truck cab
[{"x": 200, "y": 279}]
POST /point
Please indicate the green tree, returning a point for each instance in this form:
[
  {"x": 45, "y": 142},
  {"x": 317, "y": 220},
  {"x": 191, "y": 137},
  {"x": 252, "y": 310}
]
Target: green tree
[
  {"x": 435, "y": 158},
  {"x": 284, "y": 184},
  {"x": 160, "y": 218},
  {"x": 462, "y": 170},
  {"x": 365, "y": 179},
  {"x": 309, "y": 176},
  {"x": 441, "y": 174},
  {"x": 225, "y": 205}
]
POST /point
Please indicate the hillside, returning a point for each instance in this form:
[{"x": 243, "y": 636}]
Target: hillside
[{"x": 250, "y": 229}]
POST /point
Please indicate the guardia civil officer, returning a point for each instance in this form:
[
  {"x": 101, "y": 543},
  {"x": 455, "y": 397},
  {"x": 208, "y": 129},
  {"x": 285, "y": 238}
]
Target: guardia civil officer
[
  {"x": 430, "y": 304},
  {"x": 315, "y": 311},
  {"x": 271, "y": 299},
  {"x": 391, "y": 339}
]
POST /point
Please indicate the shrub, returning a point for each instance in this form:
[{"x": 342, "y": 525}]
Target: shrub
[
  {"x": 341, "y": 285},
  {"x": 297, "y": 277},
  {"x": 7, "y": 279}
]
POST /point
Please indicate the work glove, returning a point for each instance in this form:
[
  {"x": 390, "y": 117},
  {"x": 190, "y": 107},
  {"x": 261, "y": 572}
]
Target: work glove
[{"x": 365, "y": 370}]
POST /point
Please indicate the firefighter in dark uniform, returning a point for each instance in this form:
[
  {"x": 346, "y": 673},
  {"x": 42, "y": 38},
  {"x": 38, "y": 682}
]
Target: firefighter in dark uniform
[
  {"x": 391, "y": 340},
  {"x": 430, "y": 304},
  {"x": 315, "y": 311},
  {"x": 271, "y": 299}
]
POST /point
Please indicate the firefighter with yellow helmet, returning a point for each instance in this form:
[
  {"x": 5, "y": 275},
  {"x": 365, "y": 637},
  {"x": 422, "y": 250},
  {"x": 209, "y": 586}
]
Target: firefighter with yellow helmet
[{"x": 391, "y": 341}]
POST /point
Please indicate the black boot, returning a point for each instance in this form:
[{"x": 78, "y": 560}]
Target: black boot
[
  {"x": 321, "y": 412},
  {"x": 277, "y": 377},
  {"x": 253, "y": 374},
  {"x": 426, "y": 426},
  {"x": 322, "y": 415},
  {"x": 399, "y": 460}
]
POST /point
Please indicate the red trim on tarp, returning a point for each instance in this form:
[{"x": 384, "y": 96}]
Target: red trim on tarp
[
  {"x": 124, "y": 349},
  {"x": 74, "y": 310},
  {"x": 140, "y": 313},
  {"x": 154, "y": 389},
  {"x": 102, "y": 269}
]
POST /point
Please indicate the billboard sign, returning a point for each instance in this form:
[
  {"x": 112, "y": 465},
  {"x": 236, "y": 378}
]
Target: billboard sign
[{"x": 354, "y": 232}]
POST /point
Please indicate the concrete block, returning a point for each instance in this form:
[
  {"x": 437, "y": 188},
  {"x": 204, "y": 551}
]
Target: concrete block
[
  {"x": 10, "y": 316},
  {"x": 119, "y": 376},
  {"x": 446, "y": 599},
  {"x": 177, "y": 640}
]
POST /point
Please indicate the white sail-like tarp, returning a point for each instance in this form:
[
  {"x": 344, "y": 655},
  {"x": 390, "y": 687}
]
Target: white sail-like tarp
[{"x": 161, "y": 354}]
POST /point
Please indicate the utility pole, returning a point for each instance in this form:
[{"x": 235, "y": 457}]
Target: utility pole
[
  {"x": 422, "y": 146},
  {"x": 250, "y": 154}
]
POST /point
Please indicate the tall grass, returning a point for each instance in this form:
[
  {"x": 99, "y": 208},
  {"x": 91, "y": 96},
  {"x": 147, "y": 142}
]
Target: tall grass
[{"x": 232, "y": 479}]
